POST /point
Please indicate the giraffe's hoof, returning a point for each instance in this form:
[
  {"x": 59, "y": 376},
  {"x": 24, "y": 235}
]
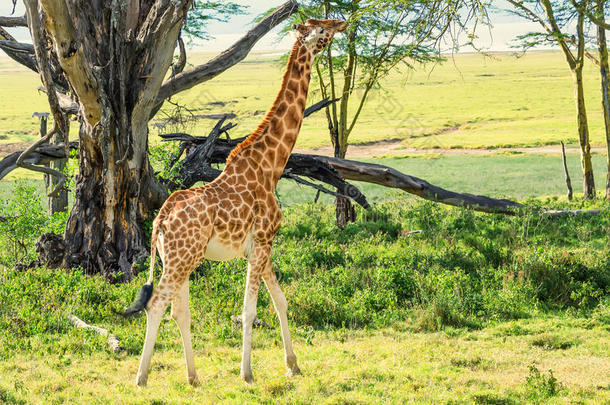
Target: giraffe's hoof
[
  {"x": 247, "y": 377},
  {"x": 141, "y": 380},
  {"x": 194, "y": 381},
  {"x": 294, "y": 371}
]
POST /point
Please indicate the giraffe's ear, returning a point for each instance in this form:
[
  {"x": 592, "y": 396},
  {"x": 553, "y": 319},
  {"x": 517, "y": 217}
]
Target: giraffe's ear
[{"x": 300, "y": 28}]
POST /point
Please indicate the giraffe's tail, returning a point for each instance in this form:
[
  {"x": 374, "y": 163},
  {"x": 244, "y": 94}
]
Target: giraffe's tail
[{"x": 147, "y": 289}]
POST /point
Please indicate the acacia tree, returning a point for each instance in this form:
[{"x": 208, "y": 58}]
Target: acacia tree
[
  {"x": 382, "y": 36},
  {"x": 555, "y": 18},
  {"x": 105, "y": 62}
]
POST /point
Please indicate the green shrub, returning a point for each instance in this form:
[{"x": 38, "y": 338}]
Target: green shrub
[
  {"x": 22, "y": 220},
  {"x": 462, "y": 270},
  {"x": 540, "y": 386}
]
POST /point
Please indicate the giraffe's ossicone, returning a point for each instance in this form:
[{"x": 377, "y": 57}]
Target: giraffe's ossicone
[{"x": 236, "y": 215}]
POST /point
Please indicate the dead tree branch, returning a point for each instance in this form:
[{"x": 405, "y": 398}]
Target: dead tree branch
[
  {"x": 36, "y": 31},
  {"x": 13, "y": 21},
  {"x": 113, "y": 341},
  {"x": 567, "y": 174},
  {"x": 332, "y": 171},
  {"x": 17, "y": 47},
  {"x": 44, "y": 154},
  {"x": 23, "y": 58},
  {"x": 21, "y": 162}
]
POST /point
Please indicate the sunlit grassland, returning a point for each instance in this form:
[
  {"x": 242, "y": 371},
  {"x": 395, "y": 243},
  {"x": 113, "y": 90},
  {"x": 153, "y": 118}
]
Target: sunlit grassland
[
  {"x": 470, "y": 101},
  {"x": 393, "y": 365},
  {"x": 516, "y": 176}
]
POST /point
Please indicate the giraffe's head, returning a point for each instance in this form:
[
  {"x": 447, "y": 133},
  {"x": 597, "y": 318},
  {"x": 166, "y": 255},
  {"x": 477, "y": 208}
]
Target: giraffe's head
[{"x": 316, "y": 34}]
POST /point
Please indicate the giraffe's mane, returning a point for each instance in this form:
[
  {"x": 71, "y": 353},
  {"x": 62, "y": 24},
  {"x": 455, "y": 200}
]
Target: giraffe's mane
[{"x": 265, "y": 122}]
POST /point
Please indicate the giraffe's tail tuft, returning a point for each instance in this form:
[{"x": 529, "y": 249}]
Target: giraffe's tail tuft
[
  {"x": 141, "y": 300},
  {"x": 147, "y": 289}
]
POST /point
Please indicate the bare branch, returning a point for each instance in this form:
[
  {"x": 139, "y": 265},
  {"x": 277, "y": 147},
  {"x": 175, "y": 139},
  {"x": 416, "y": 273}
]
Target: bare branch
[
  {"x": 17, "y": 46},
  {"x": 315, "y": 186},
  {"x": 318, "y": 106},
  {"x": 21, "y": 162},
  {"x": 178, "y": 67},
  {"x": 113, "y": 341},
  {"x": 13, "y": 22},
  {"x": 23, "y": 58},
  {"x": 229, "y": 57},
  {"x": 44, "y": 67}
]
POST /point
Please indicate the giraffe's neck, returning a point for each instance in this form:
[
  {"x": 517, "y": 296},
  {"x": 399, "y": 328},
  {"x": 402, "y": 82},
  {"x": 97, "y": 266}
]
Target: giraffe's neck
[{"x": 270, "y": 145}]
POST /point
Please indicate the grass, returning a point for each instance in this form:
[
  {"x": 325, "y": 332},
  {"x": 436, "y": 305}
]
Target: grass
[
  {"x": 476, "y": 308},
  {"x": 517, "y": 176},
  {"x": 392, "y": 365},
  {"x": 468, "y": 102}
]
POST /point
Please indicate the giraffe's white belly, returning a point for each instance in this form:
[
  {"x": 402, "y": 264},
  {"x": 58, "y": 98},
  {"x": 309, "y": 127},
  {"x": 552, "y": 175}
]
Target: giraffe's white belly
[{"x": 218, "y": 251}]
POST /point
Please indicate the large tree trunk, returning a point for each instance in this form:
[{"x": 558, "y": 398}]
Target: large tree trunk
[
  {"x": 583, "y": 136},
  {"x": 603, "y": 68},
  {"x": 115, "y": 59}
]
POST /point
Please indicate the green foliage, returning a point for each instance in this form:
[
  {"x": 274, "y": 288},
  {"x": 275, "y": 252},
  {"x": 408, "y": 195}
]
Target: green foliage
[
  {"x": 540, "y": 386},
  {"x": 22, "y": 220},
  {"x": 202, "y": 12},
  {"x": 462, "y": 271},
  {"x": 464, "y": 274},
  {"x": 549, "y": 341},
  {"x": 163, "y": 157}
]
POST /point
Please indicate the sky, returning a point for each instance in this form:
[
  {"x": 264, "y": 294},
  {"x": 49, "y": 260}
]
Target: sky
[{"x": 498, "y": 38}]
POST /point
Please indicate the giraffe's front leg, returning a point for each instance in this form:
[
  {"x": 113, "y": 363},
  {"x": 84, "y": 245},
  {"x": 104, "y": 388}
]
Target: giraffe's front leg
[{"x": 256, "y": 266}]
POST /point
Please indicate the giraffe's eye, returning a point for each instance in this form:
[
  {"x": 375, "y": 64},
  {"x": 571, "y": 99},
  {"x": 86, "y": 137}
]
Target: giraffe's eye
[{"x": 321, "y": 30}]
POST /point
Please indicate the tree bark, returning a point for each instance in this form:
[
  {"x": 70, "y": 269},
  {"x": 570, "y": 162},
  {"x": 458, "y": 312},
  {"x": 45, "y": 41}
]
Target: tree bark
[
  {"x": 60, "y": 202},
  {"x": 115, "y": 76},
  {"x": 605, "y": 85},
  {"x": 583, "y": 136}
]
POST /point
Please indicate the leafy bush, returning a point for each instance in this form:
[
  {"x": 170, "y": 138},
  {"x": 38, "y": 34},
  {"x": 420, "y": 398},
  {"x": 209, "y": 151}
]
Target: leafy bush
[
  {"x": 462, "y": 270},
  {"x": 22, "y": 220},
  {"x": 540, "y": 386}
]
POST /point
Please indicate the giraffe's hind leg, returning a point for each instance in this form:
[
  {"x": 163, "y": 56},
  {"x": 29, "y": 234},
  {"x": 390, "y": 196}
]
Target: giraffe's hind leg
[
  {"x": 281, "y": 306},
  {"x": 181, "y": 313},
  {"x": 154, "y": 312}
]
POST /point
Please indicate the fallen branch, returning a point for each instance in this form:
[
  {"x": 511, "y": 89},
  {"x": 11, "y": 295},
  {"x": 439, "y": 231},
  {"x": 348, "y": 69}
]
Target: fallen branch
[
  {"x": 17, "y": 46},
  {"x": 43, "y": 155},
  {"x": 113, "y": 341},
  {"x": 332, "y": 171}
]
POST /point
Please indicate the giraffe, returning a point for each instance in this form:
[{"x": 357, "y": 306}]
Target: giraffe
[{"x": 236, "y": 215}]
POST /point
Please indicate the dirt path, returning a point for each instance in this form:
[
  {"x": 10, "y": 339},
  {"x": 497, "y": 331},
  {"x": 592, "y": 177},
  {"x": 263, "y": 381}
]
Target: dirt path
[
  {"x": 8, "y": 148},
  {"x": 394, "y": 147},
  {"x": 382, "y": 148}
]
